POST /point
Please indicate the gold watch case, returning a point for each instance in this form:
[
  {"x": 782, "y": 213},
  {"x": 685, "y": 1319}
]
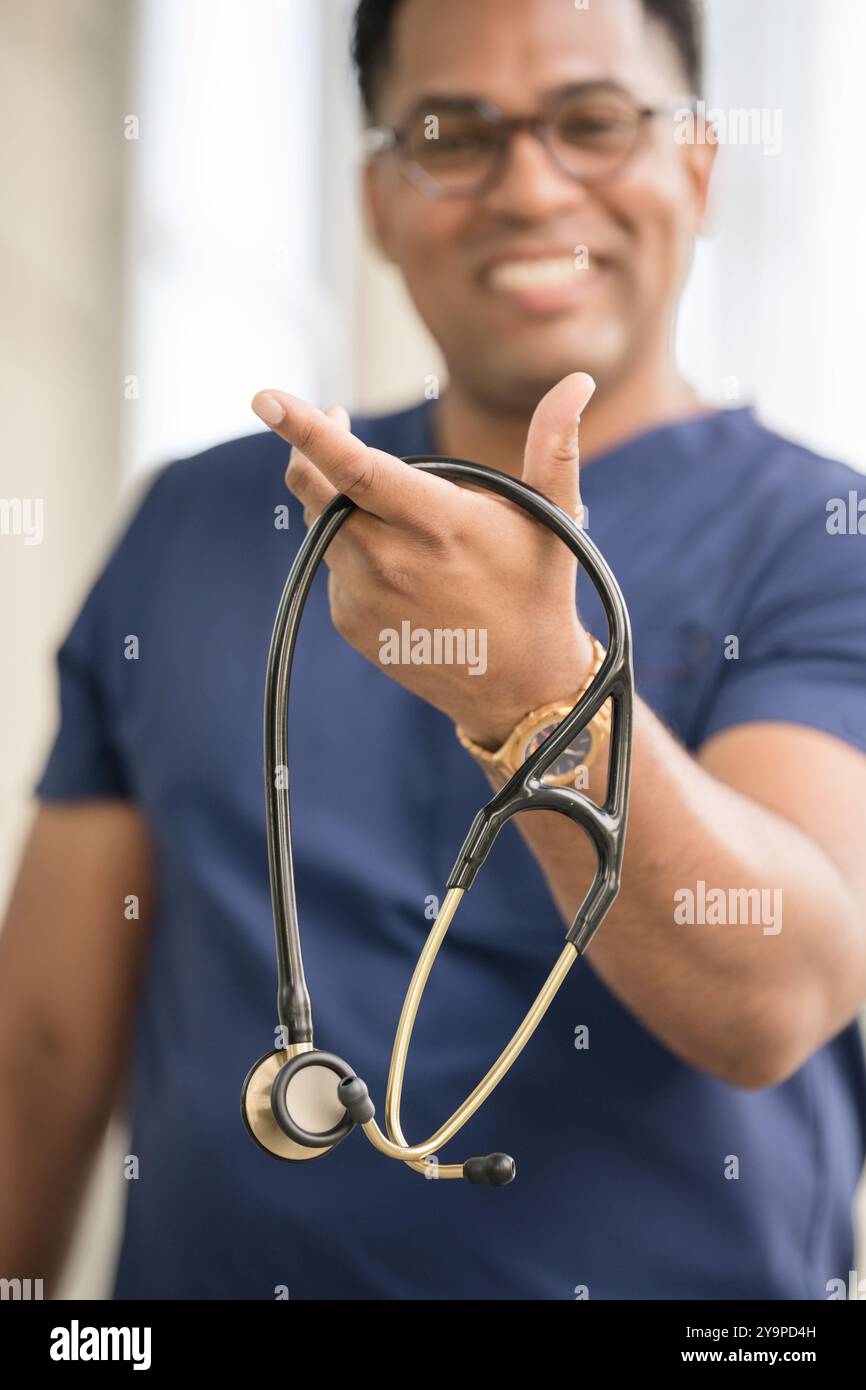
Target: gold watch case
[{"x": 573, "y": 764}]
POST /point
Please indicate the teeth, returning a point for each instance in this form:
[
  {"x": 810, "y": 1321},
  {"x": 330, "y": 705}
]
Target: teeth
[{"x": 534, "y": 274}]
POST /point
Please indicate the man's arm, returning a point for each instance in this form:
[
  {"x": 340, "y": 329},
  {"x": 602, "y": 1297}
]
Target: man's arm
[
  {"x": 70, "y": 966},
  {"x": 763, "y": 806},
  {"x": 766, "y": 806}
]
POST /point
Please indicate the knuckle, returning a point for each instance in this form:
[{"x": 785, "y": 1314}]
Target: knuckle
[
  {"x": 564, "y": 448},
  {"x": 392, "y": 568},
  {"x": 397, "y": 578},
  {"x": 338, "y": 616},
  {"x": 307, "y": 435},
  {"x": 428, "y": 528},
  {"x": 298, "y": 471},
  {"x": 341, "y": 611},
  {"x": 437, "y": 536},
  {"x": 354, "y": 474},
  {"x": 459, "y": 525}
]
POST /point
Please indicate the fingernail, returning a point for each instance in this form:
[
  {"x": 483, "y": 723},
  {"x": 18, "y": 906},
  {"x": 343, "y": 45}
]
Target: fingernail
[{"x": 268, "y": 408}]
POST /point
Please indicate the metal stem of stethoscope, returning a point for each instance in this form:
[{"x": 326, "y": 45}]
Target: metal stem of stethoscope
[{"x": 297, "y": 1081}]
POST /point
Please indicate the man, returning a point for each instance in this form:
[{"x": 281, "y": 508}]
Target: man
[{"x": 689, "y": 1120}]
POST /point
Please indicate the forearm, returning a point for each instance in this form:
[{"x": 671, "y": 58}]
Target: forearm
[
  {"x": 747, "y": 1000},
  {"x": 46, "y": 1150},
  {"x": 70, "y": 970}
]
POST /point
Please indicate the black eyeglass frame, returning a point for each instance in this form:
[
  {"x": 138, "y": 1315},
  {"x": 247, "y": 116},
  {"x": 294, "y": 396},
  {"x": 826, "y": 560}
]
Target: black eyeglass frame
[{"x": 383, "y": 140}]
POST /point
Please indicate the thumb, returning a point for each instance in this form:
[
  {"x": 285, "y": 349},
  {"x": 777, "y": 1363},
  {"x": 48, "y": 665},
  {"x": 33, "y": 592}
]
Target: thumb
[
  {"x": 340, "y": 415},
  {"x": 551, "y": 458}
]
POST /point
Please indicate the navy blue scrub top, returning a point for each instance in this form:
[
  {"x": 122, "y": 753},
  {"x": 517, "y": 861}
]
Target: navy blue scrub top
[{"x": 713, "y": 526}]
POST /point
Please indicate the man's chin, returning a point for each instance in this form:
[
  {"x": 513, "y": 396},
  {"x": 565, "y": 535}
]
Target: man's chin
[
  {"x": 520, "y": 368},
  {"x": 516, "y": 385}
]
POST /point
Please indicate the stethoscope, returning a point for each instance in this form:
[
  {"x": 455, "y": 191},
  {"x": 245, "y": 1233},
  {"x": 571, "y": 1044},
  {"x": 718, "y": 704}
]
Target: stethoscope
[{"x": 298, "y": 1102}]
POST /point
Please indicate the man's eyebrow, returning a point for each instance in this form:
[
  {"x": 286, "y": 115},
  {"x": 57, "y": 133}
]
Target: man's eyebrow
[
  {"x": 436, "y": 99},
  {"x": 587, "y": 84},
  {"x": 433, "y": 100}
]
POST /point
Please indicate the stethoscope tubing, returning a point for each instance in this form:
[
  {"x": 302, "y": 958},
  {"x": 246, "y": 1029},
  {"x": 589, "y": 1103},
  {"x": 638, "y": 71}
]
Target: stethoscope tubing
[{"x": 604, "y": 824}]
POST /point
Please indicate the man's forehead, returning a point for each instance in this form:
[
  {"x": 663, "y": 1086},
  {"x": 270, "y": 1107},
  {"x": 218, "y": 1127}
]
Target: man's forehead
[{"x": 513, "y": 52}]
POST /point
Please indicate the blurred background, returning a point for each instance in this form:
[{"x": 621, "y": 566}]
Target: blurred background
[{"x": 180, "y": 228}]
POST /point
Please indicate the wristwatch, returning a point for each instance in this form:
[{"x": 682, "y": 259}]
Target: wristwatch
[{"x": 532, "y": 730}]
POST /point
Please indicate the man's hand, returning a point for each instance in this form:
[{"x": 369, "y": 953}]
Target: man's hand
[{"x": 441, "y": 557}]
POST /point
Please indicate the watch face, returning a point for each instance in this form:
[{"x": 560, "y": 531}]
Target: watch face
[{"x": 569, "y": 768}]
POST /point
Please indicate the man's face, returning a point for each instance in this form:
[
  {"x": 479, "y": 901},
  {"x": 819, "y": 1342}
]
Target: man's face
[{"x": 467, "y": 261}]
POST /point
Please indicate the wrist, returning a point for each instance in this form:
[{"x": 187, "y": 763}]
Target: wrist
[
  {"x": 570, "y": 766},
  {"x": 491, "y": 724}
]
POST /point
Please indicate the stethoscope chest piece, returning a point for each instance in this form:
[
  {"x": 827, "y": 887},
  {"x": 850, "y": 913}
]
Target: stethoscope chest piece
[{"x": 290, "y": 1106}]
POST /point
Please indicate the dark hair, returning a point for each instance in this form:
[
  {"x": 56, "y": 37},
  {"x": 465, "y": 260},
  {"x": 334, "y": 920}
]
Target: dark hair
[{"x": 371, "y": 36}]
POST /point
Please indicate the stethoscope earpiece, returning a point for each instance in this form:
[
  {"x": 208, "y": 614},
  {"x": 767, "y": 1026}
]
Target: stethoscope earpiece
[
  {"x": 353, "y": 1094},
  {"x": 496, "y": 1170},
  {"x": 298, "y": 1103}
]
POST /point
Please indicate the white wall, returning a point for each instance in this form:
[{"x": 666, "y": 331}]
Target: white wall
[
  {"x": 62, "y": 175},
  {"x": 241, "y": 262},
  {"x": 778, "y": 295}
]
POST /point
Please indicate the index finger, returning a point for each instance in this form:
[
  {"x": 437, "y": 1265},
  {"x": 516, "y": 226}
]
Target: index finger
[{"x": 377, "y": 482}]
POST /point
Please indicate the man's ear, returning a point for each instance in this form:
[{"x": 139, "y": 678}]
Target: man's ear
[
  {"x": 701, "y": 163},
  {"x": 375, "y": 197}
]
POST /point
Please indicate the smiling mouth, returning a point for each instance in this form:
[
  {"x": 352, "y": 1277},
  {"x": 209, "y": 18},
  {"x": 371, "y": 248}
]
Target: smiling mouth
[{"x": 536, "y": 273}]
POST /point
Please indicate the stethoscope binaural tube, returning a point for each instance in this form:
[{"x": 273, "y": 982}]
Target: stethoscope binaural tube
[{"x": 286, "y": 1086}]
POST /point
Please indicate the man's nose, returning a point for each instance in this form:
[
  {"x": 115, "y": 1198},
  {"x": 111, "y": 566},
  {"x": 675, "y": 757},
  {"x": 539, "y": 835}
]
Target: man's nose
[{"x": 531, "y": 185}]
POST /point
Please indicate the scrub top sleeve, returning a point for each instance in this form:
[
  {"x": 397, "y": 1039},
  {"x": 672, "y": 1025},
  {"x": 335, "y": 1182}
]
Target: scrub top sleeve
[
  {"x": 802, "y": 643},
  {"x": 85, "y": 760}
]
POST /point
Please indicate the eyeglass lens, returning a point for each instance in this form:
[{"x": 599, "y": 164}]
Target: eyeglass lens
[{"x": 458, "y": 147}]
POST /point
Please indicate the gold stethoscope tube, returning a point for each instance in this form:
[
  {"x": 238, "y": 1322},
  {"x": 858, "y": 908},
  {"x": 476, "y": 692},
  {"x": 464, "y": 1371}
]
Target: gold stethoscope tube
[{"x": 394, "y": 1144}]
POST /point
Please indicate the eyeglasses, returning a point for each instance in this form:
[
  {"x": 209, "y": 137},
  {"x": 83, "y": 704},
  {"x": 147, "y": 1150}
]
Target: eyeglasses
[{"x": 460, "y": 148}]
